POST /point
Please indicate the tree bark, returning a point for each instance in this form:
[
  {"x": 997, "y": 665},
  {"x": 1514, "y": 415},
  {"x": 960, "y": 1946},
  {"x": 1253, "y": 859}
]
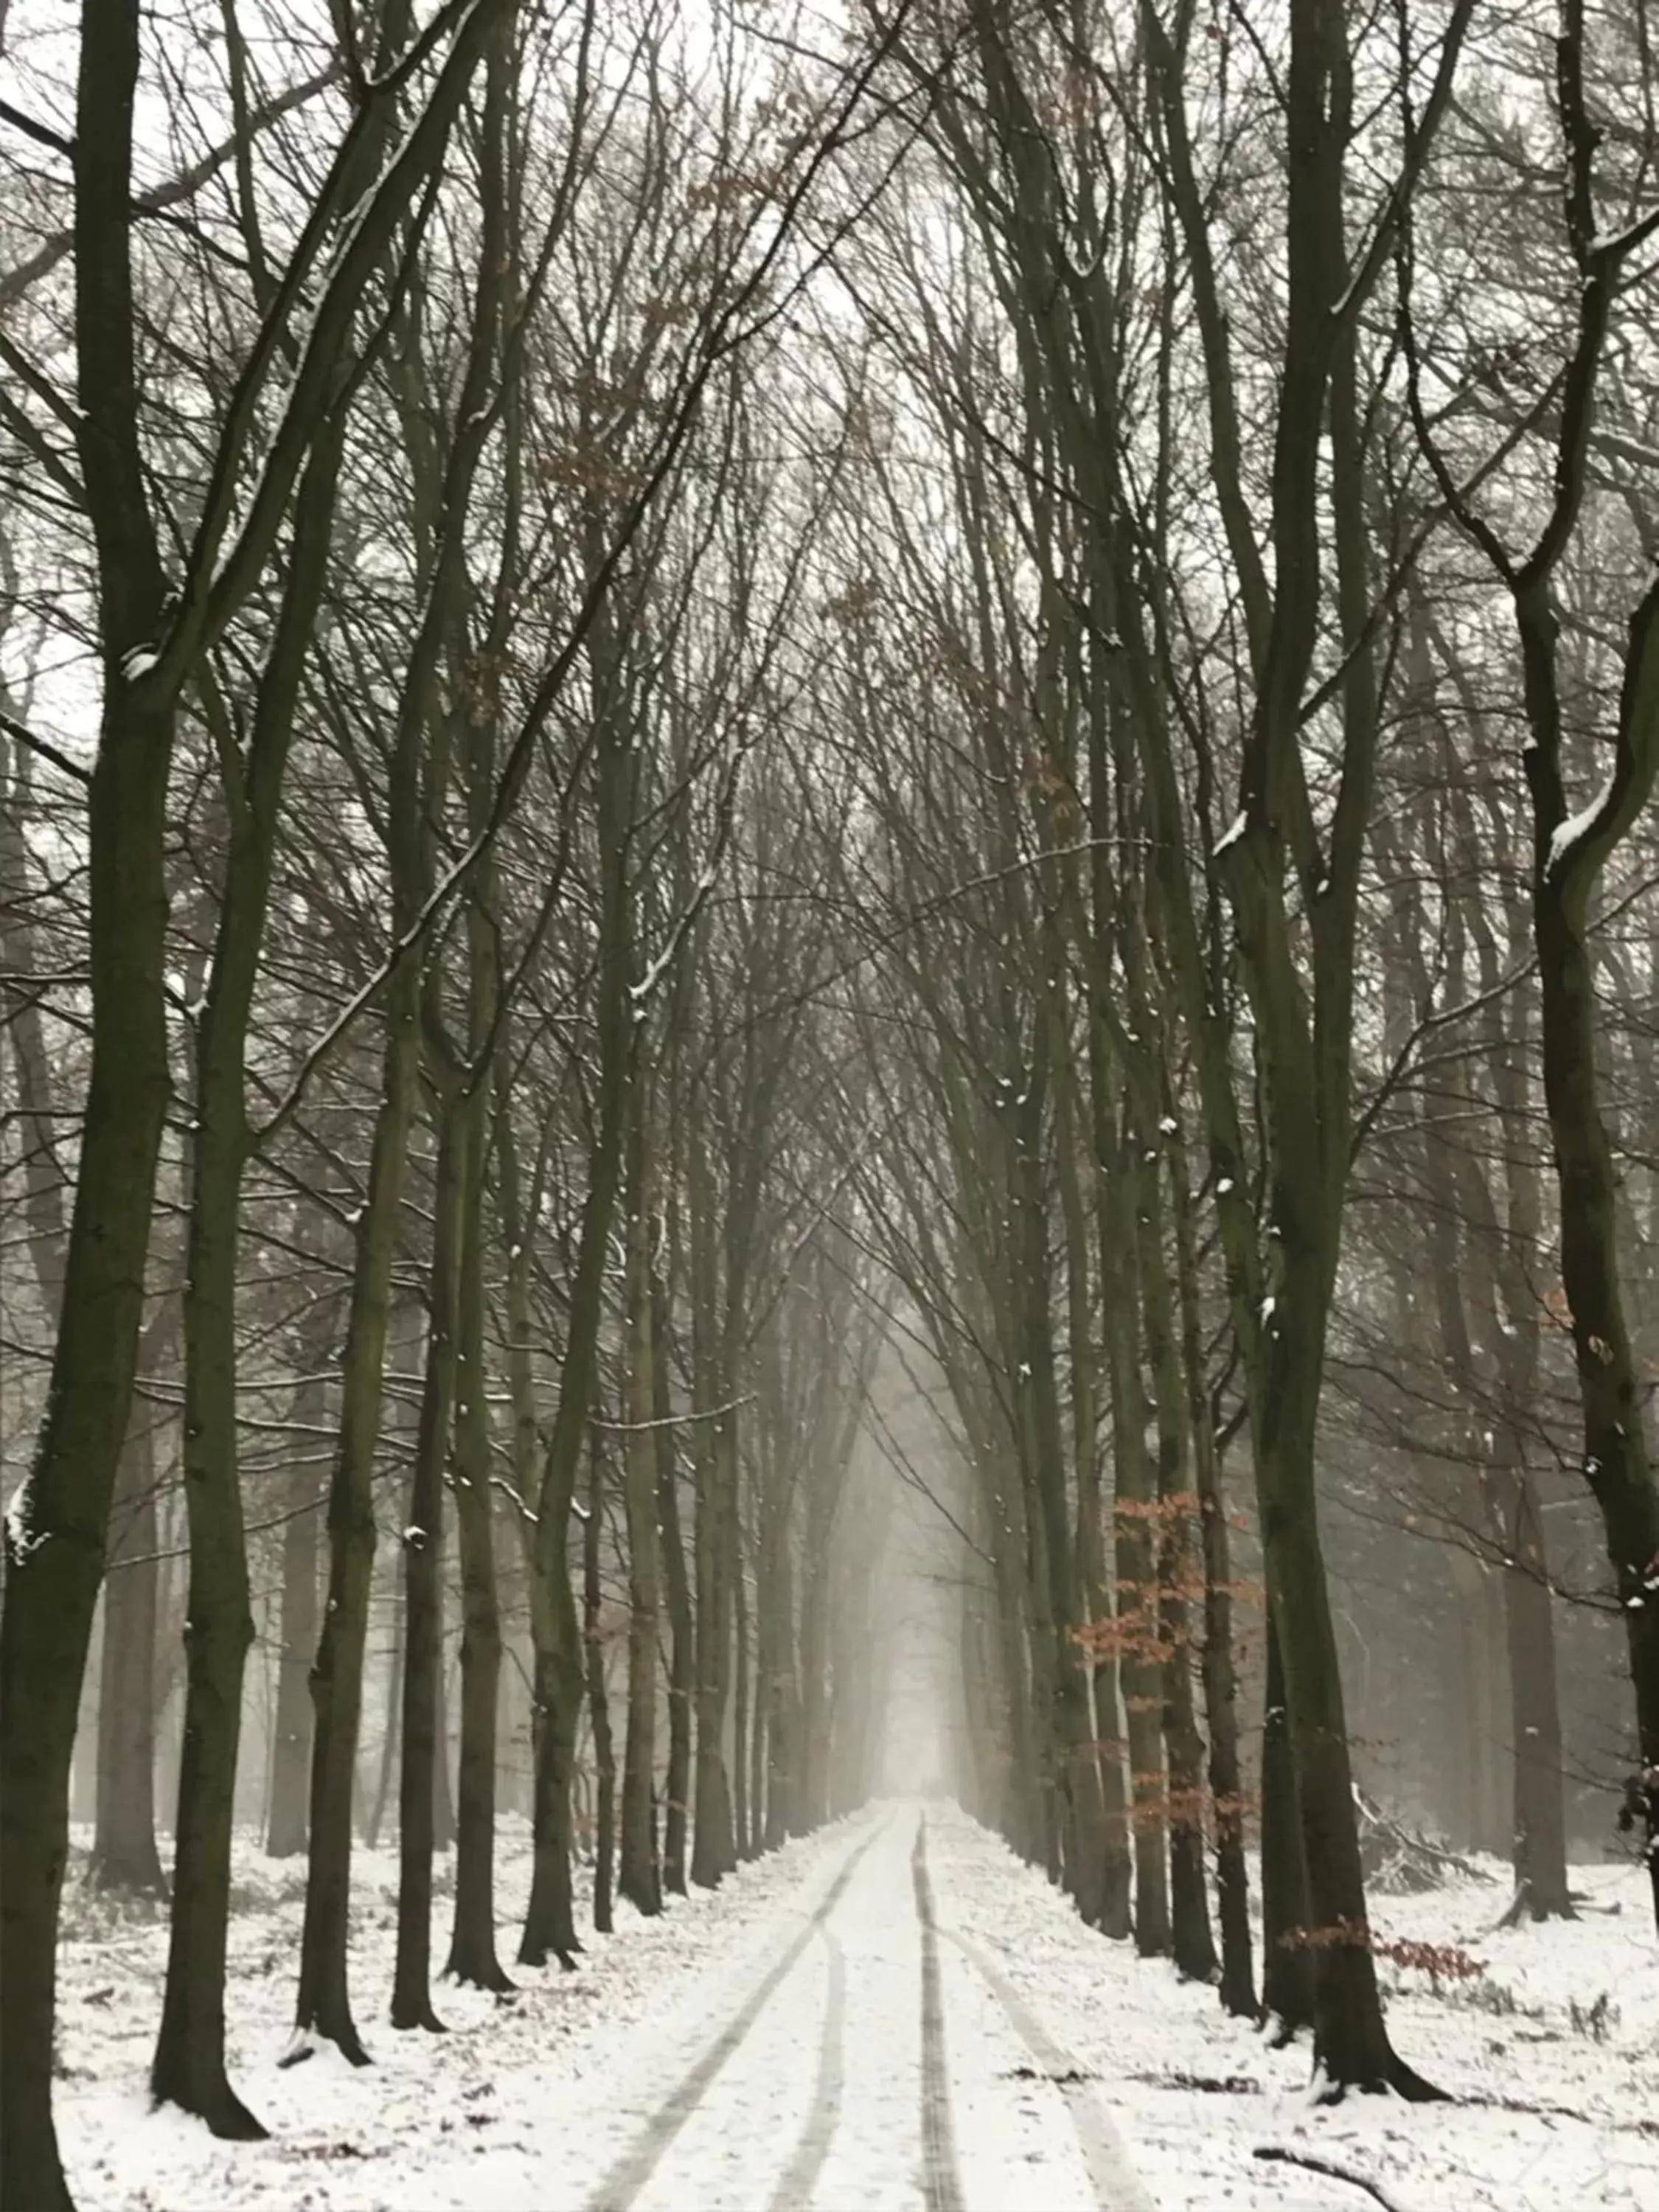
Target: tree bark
[
  {"x": 681, "y": 1633},
  {"x": 713, "y": 1845},
  {"x": 285, "y": 1833},
  {"x": 423, "y": 1607},
  {"x": 472, "y": 1954},
  {"x": 1191, "y": 1942},
  {"x": 1220, "y": 1665},
  {"x": 56, "y": 1529},
  {"x": 599, "y": 1701},
  {"x": 124, "y": 1853},
  {"x": 640, "y": 1874},
  {"x": 741, "y": 1740},
  {"x": 1539, "y": 1835},
  {"x": 1136, "y": 1611},
  {"x": 1287, "y": 1966}
]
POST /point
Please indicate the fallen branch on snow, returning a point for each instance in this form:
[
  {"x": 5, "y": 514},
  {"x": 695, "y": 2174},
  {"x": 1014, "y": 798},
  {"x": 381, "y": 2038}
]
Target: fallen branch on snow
[{"x": 1280, "y": 2156}]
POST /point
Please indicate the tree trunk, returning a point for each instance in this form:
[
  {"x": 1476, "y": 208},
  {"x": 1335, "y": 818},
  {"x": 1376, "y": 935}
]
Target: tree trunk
[
  {"x": 681, "y": 1676},
  {"x": 598, "y": 1700},
  {"x": 55, "y": 1528},
  {"x": 443, "y": 1794},
  {"x": 1137, "y": 1587},
  {"x": 1287, "y": 1984},
  {"x": 371, "y": 1827},
  {"x": 285, "y": 1834},
  {"x": 1611, "y": 1392},
  {"x": 560, "y": 1673},
  {"x": 124, "y": 1853},
  {"x": 472, "y": 1954},
  {"x": 682, "y": 1637},
  {"x": 1191, "y": 1942},
  {"x": 422, "y": 1728},
  {"x": 714, "y": 1845},
  {"x": 1541, "y": 1891},
  {"x": 1351, "y": 2043},
  {"x": 1114, "y": 1910},
  {"x": 337, "y": 1680},
  {"x": 550, "y": 1926},
  {"x": 189, "y": 2068},
  {"x": 774, "y": 1595},
  {"x": 813, "y": 1808},
  {"x": 1220, "y": 1667},
  {"x": 1078, "y": 1808},
  {"x": 640, "y": 1874},
  {"x": 741, "y": 1774}
]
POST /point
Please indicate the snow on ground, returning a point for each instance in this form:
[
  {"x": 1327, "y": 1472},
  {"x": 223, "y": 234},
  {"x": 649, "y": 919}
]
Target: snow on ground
[
  {"x": 516, "y": 2108},
  {"x": 1557, "y": 2109},
  {"x": 761, "y": 2049}
]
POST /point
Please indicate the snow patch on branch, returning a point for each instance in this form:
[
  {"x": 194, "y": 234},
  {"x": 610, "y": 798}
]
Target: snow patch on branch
[{"x": 1577, "y": 831}]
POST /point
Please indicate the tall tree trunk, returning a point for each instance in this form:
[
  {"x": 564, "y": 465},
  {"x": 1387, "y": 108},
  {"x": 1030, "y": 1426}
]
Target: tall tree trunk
[
  {"x": 372, "y": 1826},
  {"x": 1351, "y": 2041},
  {"x": 55, "y": 1529},
  {"x": 741, "y": 1747},
  {"x": 776, "y": 1598},
  {"x": 1490, "y": 1803},
  {"x": 1287, "y": 1982},
  {"x": 189, "y": 2066},
  {"x": 337, "y": 1680},
  {"x": 814, "y": 1802},
  {"x": 1114, "y": 1895},
  {"x": 1611, "y": 1391},
  {"x": 1078, "y": 1808},
  {"x": 1219, "y": 1666},
  {"x": 417, "y": 767},
  {"x": 443, "y": 1794},
  {"x": 713, "y": 1845},
  {"x": 1541, "y": 1891},
  {"x": 424, "y": 1604},
  {"x": 472, "y": 1953},
  {"x": 560, "y": 1674},
  {"x": 1191, "y": 1942},
  {"x": 285, "y": 1834},
  {"x": 599, "y": 1699},
  {"x": 1137, "y": 1590},
  {"x": 555, "y": 1635},
  {"x": 638, "y": 1874},
  {"x": 682, "y": 1637},
  {"x": 124, "y": 1853}
]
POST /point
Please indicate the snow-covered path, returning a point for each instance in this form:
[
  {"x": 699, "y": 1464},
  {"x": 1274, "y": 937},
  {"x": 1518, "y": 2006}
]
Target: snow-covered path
[
  {"x": 875, "y": 2065},
  {"x": 858, "y": 2024}
]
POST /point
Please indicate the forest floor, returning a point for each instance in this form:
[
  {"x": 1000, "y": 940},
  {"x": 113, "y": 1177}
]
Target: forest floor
[{"x": 852, "y": 2026}]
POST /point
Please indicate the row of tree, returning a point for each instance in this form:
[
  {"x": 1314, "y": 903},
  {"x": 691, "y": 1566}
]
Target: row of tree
[
  {"x": 1277, "y": 484},
  {"x": 435, "y": 560}
]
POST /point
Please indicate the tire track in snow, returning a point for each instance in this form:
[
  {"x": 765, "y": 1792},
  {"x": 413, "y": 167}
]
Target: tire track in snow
[
  {"x": 940, "y": 2188},
  {"x": 796, "y": 2187},
  {"x": 1116, "y": 2185},
  {"x": 630, "y": 2172}
]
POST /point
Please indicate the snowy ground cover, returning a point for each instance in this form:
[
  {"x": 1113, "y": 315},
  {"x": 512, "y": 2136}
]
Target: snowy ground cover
[
  {"x": 1553, "y": 2052},
  {"x": 761, "y": 2049},
  {"x": 516, "y": 2108}
]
